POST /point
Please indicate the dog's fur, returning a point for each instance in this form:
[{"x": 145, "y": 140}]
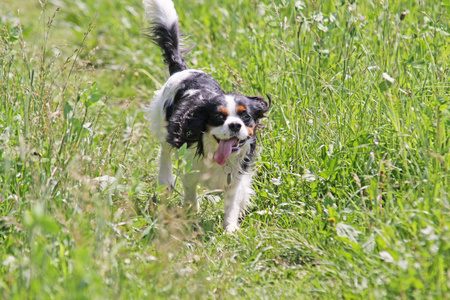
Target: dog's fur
[{"x": 218, "y": 128}]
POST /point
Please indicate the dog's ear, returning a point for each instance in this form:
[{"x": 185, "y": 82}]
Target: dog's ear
[
  {"x": 259, "y": 106},
  {"x": 195, "y": 124},
  {"x": 187, "y": 128}
]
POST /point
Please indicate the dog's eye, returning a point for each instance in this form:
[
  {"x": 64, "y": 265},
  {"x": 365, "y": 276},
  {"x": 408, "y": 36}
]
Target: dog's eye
[
  {"x": 245, "y": 116},
  {"x": 220, "y": 116}
]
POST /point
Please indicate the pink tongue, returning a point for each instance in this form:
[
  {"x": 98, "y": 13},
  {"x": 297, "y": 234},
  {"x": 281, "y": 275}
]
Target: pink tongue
[{"x": 225, "y": 148}]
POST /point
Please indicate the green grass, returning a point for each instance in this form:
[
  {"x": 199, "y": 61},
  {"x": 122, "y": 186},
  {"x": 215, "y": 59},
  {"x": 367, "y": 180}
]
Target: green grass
[{"x": 352, "y": 181}]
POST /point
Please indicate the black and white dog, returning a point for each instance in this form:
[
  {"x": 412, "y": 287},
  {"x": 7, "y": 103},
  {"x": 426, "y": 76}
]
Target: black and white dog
[{"x": 218, "y": 128}]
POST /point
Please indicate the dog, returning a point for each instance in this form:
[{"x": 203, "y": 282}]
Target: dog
[{"x": 218, "y": 128}]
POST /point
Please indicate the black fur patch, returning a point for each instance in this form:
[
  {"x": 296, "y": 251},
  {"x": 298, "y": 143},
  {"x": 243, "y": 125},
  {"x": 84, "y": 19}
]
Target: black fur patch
[
  {"x": 256, "y": 107},
  {"x": 167, "y": 38}
]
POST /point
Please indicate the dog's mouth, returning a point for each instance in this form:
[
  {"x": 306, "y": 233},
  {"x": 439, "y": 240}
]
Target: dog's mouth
[{"x": 226, "y": 147}]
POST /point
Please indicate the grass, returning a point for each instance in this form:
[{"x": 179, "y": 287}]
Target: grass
[{"x": 352, "y": 183}]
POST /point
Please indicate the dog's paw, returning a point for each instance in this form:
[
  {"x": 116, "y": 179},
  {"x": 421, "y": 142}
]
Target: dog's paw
[
  {"x": 168, "y": 182},
  {"x": 231, "y": 228}
]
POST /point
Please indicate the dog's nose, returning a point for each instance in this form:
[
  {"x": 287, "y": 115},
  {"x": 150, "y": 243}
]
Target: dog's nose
[{"x": 235, "y": 127}]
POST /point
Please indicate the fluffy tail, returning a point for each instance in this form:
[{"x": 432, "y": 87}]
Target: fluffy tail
[{"x": 164, "y": 31}]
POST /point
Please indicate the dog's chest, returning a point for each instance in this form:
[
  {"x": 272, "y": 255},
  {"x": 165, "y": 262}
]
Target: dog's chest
[{"x": 213, "y": 176}]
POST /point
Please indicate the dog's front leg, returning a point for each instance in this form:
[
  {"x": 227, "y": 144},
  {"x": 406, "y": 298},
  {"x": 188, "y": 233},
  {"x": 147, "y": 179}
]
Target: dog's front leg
[
  {"x": 237, "y": 198},
  {"x": 233, "y": 201},
  {"x": 232, "y": 210},
  {"x": 165, "y": 176}
]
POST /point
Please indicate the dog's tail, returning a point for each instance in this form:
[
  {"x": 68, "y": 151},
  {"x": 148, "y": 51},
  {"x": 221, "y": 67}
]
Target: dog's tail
[{"x": 164, "y": 31}]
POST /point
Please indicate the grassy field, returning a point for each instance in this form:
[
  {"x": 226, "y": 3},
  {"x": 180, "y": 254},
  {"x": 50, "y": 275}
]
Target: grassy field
[{"x": 352, "y": 180}]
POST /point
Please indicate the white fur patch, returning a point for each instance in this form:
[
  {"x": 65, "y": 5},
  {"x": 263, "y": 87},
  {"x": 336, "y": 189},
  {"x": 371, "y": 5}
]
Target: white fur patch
[
  {"x": 190, "y": 93},
  {"x": 231, "y": 105},
  {"x": 161, "y": 11}
]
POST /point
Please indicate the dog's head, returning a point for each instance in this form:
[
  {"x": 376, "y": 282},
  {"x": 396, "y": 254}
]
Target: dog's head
[
  {"x": 229, "y": 120},
  {"x": 233, "y": 123}
]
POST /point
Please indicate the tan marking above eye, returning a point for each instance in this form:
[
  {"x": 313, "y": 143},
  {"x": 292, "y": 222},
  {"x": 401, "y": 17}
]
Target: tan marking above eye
[
  {"x": 224, "y": 110},
  {"x": 251, "y": 130},
  {"x": 241, "y": 108}
]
